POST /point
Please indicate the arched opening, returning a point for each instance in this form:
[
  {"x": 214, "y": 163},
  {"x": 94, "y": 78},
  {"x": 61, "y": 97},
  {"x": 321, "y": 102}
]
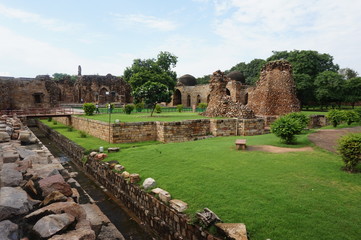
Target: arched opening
[
  {"x": 246, "y": 99},
  {"x": 208, "y": 97},
  {"x": 189, "y": 101},
  {"x": 177, "y": 98},
  {"x": 198, "y": 99},
  {"x": 103, "y": 98},
  {"x": 228, "y": 92},
  {"x": 80, "y": 99}
]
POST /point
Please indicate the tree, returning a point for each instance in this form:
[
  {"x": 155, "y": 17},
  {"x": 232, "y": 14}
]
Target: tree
[
  {"x": 348, "y": 73},
  {"x": 63, "y": 76},
  {"x": 250, "y": 71},
  {"x": 152, "y": 93},
  {"x": 330, "y": 88},
  {"x": 353, "y": 89},
  {"x": 204, "y": 80}
]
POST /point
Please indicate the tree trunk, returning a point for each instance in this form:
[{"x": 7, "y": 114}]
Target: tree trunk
[{"x": 151, "y": 114}]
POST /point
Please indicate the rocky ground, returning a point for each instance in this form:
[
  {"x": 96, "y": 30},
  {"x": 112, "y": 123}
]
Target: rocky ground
[{"x": 39, "y": 198}]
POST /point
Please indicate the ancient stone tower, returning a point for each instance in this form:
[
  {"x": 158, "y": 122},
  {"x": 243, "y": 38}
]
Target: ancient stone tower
[{"x": 275, "y": 92}]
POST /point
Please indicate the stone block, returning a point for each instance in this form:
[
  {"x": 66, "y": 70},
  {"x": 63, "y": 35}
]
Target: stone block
[
  {"x": 113, "y": 149},
  {"x": 178, "y": 205},
  {"x": 235, "y": 231},
  {"x": 134, "y": 178},
  {"x": 149, "y": 183},
  {"x": 10, "y": 156},
  {"x": 164, "y": 196}
]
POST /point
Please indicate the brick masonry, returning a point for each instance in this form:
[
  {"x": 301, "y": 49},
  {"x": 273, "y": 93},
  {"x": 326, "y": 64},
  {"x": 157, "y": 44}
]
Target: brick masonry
[{"x": 181, "y": 131}]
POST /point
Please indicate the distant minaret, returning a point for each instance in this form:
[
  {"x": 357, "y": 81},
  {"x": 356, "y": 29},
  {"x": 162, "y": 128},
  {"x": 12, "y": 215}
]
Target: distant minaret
[{"x": 79, "y": 70}]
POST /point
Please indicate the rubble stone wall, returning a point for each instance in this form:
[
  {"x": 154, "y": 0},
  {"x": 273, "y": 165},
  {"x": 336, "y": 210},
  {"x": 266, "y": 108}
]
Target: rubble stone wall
[{"x": 161, "y": 218}]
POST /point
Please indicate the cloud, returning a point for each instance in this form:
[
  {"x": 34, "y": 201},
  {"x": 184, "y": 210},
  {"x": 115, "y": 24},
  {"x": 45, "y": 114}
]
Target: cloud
[
  {"x": 145, "y": 21},
  {"x": 28, "y": 17}
]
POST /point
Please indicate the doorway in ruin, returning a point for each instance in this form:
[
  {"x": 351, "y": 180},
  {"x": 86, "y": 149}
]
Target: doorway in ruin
[
  {"x": 198, "y": 99},
  {"x": 208, "y": 97},
  {"x": 189, "y": 101},
  {"x": 103, "y": 95},
  {"x": 228, "y": 92},
  {"x": 177, "y": 98}
]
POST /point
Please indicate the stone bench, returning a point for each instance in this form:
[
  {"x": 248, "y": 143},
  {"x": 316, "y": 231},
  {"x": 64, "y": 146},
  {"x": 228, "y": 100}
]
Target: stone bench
[{"x": 241, "y": 144}]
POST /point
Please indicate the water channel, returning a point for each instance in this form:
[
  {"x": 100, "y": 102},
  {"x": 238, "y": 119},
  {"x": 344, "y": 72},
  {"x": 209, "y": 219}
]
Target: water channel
[{"x": 122, "y": 221}]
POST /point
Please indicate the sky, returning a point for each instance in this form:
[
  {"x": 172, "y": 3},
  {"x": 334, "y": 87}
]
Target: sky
[{"x": 45, "y": 37}]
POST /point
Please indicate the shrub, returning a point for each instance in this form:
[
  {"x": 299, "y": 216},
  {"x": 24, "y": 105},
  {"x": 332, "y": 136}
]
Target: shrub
[
  {"x": 301, "y": 117},
  {"x": 82, "y": 134},
  {"x": 70, "y": 128},
  {"x": 202, "y": 105},
  {"x": 89, "y": 108},
  {"x": 350, "y": 149},
  {"x": 55, "y": 122},
  {"x": 350, "y": 116},
  {"x": 139, "y": 106},
  {"x": 180, "y": 107},
  {"x": 358, "y": 111},
  {"x": 50, "y": 119},
  {"x": 286, "y": 128},
  {"x": 128, "y": 108},
  {"x": 158, "y": 108},
  {"x": 335, "y": 117}
]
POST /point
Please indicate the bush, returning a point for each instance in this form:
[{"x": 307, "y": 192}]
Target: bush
[
  {"x": 55, "y": 122},
  {"x": 301, "y": 117},
  {"x": 180, "y": 107},
  {"x": 350, "y": 149},
  {"x": 286, "y": 128},
  {"x": 82, "y": 134},
  {"x": 70, "y": 128},
  {"x": 89, "y": 108},
  {"x": 139, "y": 106},
  {"x": 350, "y": 116},
  {"x": 50, "y": 119},
  {"x": 202, "y": 105},
  {"x": 158, "y": 108},
  {"x": 335, "y": 117},
  {"x": 128, "y": 108}
]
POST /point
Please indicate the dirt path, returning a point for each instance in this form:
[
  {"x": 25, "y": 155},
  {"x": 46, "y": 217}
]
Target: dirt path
[
  {"x": 273, "y": 149},
  {"x": 327, "y": 138}
]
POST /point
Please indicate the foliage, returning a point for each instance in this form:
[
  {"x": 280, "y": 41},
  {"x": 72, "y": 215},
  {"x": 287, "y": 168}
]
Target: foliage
[
  {"x": 301, "y": 117},
  {"x": 204, "y": 80},
  {"x": 250, "y": 70},
  {"x": 348, "y": 73},
  {"x": 180, "y": 107},
  {"x": 158, "y": 108},
  {"x": 353, "y": 90},
  {"x": 70, "y": 128},
  {"x": 129, "y": 108},
  {"x": 89, "y": 108},
  {"x": 50, "y": 119},
  {"x": 350, "y": 116},
  {"x": 139, "y": 106},
  {"x": 82, "y": 134},
  {"x": 286, "y": 127},
  {"x": 202, "y": 105},
  {"x": 64, "y": 76},
  {"x": 55, "y": 122},
  {"x": 153, "y": 93},
  {"x": 350, "y": 150},
  {"x": 335, "y": 117},
  {"x": 330, "y": 87}
]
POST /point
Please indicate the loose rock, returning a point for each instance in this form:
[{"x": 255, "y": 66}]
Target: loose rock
[
  {"x": 13, "y": 202},
  {"x": 149, "y": 183},
  {"x": 8, "y": 230},
  {"x": 51, "y": 224}
]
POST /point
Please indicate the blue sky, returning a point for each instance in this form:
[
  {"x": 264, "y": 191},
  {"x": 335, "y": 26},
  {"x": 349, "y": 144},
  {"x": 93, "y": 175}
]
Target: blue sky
[{"x": 45, "y": 37}]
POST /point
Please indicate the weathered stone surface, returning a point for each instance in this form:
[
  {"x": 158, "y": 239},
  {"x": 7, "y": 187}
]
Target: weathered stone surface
[
  {"x": 134, "y": 178},
  {"x": 178, "y": 205},
  {"x": 10, "y": 177},
  {"x": 4, "y": 137},
  {"x": 125, "y": 174},
  {"x": 164, "y": 196},
  {"x": 36, "y": 159},
  {"x": 29, "y": 187},
  {"x": 79, "y": 234},
  {"x": 55, "y": 183},
  {"x": 275, "y": 92},
  {"x": 10, "y": 156},
  {"x": 119, "y": 167},
  {"x": 24, "y": 153},
  {"x": 95, "y": 216},
  {"x": 71, "y": 208},
  {"x": 113, "y": 149},
  {"x": 149, "y": 183},
  {"x": 43, "y": 170},
  {"x": 54, "y": 196},
  {"x": 100, "y": 156},
  {"x": 8, "y": 230},
  {"x": 110, "y": 232},
  {"x": 236, "y": 231},
  {"x": 92, "y": 154},
  {"x": 207, "y": 217},
  {"x": 27, "y": 137},
  {"x": 75, "y": 195},
  {"x": 13, "y": 202},
  {"x": 51, "y": 224}
]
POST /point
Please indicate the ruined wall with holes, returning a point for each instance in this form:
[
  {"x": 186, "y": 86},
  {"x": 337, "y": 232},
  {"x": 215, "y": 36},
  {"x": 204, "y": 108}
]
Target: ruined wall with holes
[{"x": 45, "y": 92}]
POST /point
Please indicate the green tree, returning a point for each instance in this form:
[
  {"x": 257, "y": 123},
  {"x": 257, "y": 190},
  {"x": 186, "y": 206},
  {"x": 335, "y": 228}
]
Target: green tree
[
  {"x": 353, "y": 90},
  {"x": 250, "y": 71},
  {"x": 348, "y": 73},
  {"x": 204, "y": 80},
  {"x": 330, "y": 88},
  {"x": 64, "y": 76},
  {"x": 152, "y": 93}
]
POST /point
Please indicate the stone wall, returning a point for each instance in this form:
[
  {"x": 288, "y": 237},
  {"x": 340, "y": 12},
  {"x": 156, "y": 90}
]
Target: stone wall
[
  {"x": 317, "y": 121},
  {"x": 161, "y": 218},
  {"x": 182, "y": 131}
]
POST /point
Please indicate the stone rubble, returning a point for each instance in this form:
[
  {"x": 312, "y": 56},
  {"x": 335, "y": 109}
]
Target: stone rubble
[{"x": 38, "y": 199}]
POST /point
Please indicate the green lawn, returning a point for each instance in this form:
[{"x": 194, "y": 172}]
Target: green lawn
[
  {"x": 145, "y": 117},
  {"x": 303, "y": 195}
]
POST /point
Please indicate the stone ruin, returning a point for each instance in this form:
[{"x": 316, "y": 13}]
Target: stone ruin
[
  {"x": 220, "y": 104},
  {"x": 275, "y": 92}
]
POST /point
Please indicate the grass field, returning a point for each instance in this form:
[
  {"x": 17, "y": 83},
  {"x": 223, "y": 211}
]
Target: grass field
[{"x": 301, "y": 195}]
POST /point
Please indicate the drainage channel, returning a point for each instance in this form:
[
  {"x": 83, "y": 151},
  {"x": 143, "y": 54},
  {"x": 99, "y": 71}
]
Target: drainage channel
[{"x": 122, "y": 221}]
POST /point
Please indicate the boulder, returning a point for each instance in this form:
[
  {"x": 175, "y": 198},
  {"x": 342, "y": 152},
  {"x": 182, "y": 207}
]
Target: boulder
[
  {"x": 233, "y": 230},
  {"x": 134, "y": 178},
  {"x": 10, "y": 177},
  {"x": 78, "y": 234},
  {"x": 51, "y": 224},
  {"x": 55, "y": 196},
  {"x": 55, "y": 183},
  {"x": 27, "y": 137},
  {"x": 4, "y": 137},
  {"x": 95, "y": 216},
  {"x": 13, "y": 202},
  {"x": 149, "y": 183},
  {"x": 8, "y": 230},
  {"x": 125, "y": 174}
]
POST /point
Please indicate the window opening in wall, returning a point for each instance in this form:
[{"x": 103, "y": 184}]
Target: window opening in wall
[
  {"x": 38, "y": 97},
  {"x": 188, "y": 101}
]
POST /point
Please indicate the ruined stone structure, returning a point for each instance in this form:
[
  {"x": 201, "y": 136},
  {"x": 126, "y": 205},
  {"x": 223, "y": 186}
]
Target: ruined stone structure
[
  {"x": 221, "y": 104},
  {"x": 275, "y": 92},
  {"x": 45, "y": 92}
]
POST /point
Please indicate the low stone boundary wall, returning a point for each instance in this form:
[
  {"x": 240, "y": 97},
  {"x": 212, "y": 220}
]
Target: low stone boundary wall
[
  {"x": 317, "y": 121},
  {"x": 164, "y": 220},
  {"x": 166, "y": 131}
]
